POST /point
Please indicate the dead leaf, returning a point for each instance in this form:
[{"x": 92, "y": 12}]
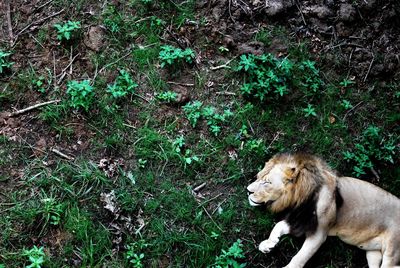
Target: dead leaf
[{"x": 332, "y": 119}]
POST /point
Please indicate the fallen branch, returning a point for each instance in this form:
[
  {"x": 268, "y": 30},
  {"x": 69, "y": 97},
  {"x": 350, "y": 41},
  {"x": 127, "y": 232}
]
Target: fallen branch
[
  {"x": 38, "y": 105},
  {"x": 369, "y": 68},
  {"x": 226, "y": 93},
  {"x": 198, "y": 188},
  {"x": 180, "y": 84},
  {"x": 225, "y": 65},
  {"x": 9, "y": 22},
  {"x": 57, "y": 152},
  {"x": 63, "y": 72},
  {"x": 352, "y": 109},
  {"x": 37, "y": 23}
]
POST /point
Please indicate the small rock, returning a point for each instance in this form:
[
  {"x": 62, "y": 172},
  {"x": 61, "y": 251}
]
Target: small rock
[
  {"x": 276, "y": 7},
  {"x": 347, "y": 12},
  {"x": 278, "y": 45},
  {"x": 228, "y": 41},
  {"x": 182, "y": 95},
  {"x": 321, "y": 12},
  {"x": 342, "y": 30},
  {"x": 256, "y": 48},
  {"x": 94, "y": 38}
]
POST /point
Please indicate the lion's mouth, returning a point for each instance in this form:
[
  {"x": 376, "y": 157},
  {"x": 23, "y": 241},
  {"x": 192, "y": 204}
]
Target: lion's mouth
[{"x": 265, "y": 204}]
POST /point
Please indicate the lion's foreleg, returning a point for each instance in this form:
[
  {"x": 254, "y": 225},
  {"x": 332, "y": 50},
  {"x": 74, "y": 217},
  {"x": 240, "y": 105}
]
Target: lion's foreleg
[
  {"x": 310, "y": 246},
  {"x": 374, "y": 259},
  {"x": 281, "y": 228}
]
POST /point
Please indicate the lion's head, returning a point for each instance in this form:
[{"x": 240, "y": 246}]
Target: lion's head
[{"x": 286, "y": 181}]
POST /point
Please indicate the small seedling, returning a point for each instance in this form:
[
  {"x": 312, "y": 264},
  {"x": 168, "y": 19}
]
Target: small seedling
[
  {"x": 39, "y": 84},
  {"x": 142, "y": 163},
  {"x": 81, "y": 94},
  {"x": 189, "y": 158},
  {"x": 52, "y": 211},
  {"x": 373, "y": 144},
  {"x": 346, "y": 104},
  {"x": 193, "y": 111},
  {"x": 243, "y": 133},
  {"x": 223, "y": 49},
  {"x": 214, "y": 235},
  {"x": 135, "y": 258},
  {"x": 4, "y": 63},
  {"x": 35, "y": 256},
  {"x": 167, "y": 96},
  {"x": 230, "y": 258},
  {"x": 214, "y": 119},
  {"x": 122, "y": 86},
  {"x": 66, "y": 30},
  {"x": 170, "y": 55},
  {"x": 309, "y": 76},
  {"x": 178, "y": 143},
  {"x": 346, "y": 82},
  {"x": 310, "y": 110}
]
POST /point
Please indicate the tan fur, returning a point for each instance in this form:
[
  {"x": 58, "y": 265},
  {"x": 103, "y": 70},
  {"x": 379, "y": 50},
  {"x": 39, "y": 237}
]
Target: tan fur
[{"x": 369, "y": 217}]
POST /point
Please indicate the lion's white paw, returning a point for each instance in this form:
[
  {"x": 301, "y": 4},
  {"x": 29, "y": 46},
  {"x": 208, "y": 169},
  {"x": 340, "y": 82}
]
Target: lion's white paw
[{"x": 267, "y": 245}]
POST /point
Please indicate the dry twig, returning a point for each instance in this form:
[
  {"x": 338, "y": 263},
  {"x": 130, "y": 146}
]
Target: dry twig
[
  {"x": 369, "y": 68},
  {"x": 180, "y": 84},
  {"x": 9, "y": 23},
  {"x": 63, "y": 72},
  {"x": 32, "y": 107},
  {"x": 36, "y": 23},
  {"x": 57, "y": 152},
  {"x": 198, "y": 188},
  {"x": 225, "y": 65},
  {"x": 352, "y": 109}
]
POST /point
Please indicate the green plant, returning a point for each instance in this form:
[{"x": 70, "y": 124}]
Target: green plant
[
  {"x": 35, "y": 256},
  {"x": 193, "y": 111},
  {"x": 308, "y": 76},
  {"x": 265, "y": 76},
  {"x": 122, "y": 86},
  {"x": 132, "y": 255},
  {"x": 39, "y": 84},
  {"x": 66, "y": 30},
  {"x": 223, "y": 49},
  {"x": 52, "y": 211},
  {"x": 4, "y": 63},
  {"x": 189, "y": 158},
  {"x": 372, "y": 145},
  {"x": 346, "y": 82},
  {"x": 142, "y": 163},
  {"x": 310, "y": 110},
  {"x": 167, "y": 96},
  {"x": 178, "y": 144},
  {"x": 230, "y": 258},
  {"x": 170, "y": 55},
  {"x": 113, "y": 20},
  {"x": 81, "y": 94},
  {"x": 346, "y": 104},
  {"x": 214, "y": 235},
  {"x": 214, "y": 119}
]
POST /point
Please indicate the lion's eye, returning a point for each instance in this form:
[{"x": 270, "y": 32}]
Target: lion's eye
[{"x": 265, "y": 182}]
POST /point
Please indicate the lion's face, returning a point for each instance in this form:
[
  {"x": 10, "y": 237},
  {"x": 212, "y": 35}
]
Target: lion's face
[{"x": 272, "y": 183}]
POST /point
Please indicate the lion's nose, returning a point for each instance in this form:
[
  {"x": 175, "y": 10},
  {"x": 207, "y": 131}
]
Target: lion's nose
[{"x": 249, "y": 192}]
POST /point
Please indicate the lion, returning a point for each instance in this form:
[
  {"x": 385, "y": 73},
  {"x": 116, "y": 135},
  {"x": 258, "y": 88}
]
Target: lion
[{"x": 315, "y": 202}]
